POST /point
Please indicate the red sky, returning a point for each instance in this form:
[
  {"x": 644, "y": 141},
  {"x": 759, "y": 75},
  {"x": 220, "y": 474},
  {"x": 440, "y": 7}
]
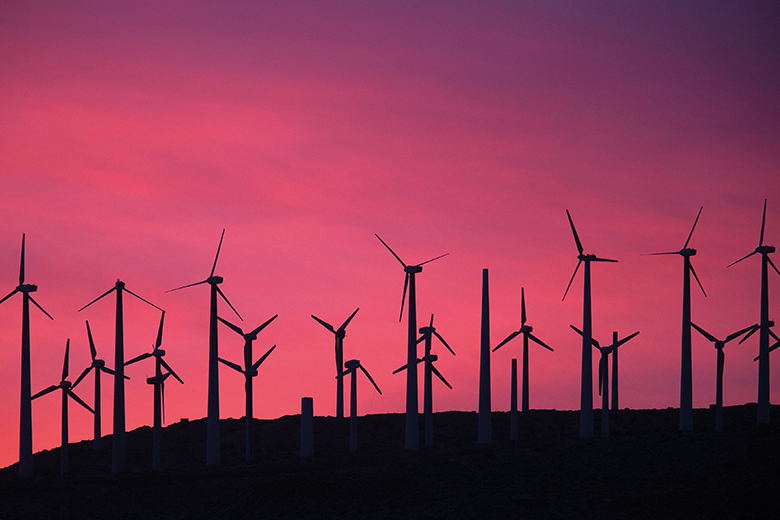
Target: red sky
[{"x": 132, "y": 134}]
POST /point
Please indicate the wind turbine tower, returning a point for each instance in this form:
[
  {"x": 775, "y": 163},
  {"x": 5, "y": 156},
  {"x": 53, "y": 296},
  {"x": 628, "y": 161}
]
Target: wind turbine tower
[
  {"x": 100, "y": 366},
  {"x": 25, "y": 408},
  {"x": 339, "y": 333},
  {"x": 158, "y": 381},
  {"x": 764, "y": 323},
  {"x": 351, "y": 368},
  {"x": 67, "y": 391},
  {"x": 430, "y": 370},
  {"x": 412, "y": 441},
  {"x": 586, "y": 387},
  {"x": 686, "y": 369},
  {"x": 212, "y": 420},
  {"x": 250, "y": 372},
  {"x": 119, "y": 443}
]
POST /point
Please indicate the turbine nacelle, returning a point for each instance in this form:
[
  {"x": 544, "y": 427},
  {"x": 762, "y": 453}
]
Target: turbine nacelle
[
  {"x": 413, "y": 269},
  {"x": 525, "y": 329},
  {"x": 119, "y": 285},
  {"x": 29, "y": 287},
  {"x": 687, "y": 251},
  {"x": 427, "y": 330},
  {"x": 765, "y": 249},
  {"x": 65, "y": 384},
  {"x": 252, "y": 372},
  {"x": 352, "y": 364},
  {"x": 158, "y": 352},
  {"x": 215, "y": 280},
  {"x": 98, "y": 363}
]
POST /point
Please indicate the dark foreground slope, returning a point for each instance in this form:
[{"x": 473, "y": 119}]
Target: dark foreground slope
[{"x": 646, "y": 470}]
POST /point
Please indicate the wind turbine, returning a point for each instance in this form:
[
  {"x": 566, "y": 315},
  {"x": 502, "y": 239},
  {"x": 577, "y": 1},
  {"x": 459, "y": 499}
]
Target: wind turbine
[
  {"x": 339, "y": 333},
  {"x": 604, "y": 374},
  {"x": 212, "y": 421},
  {"x": 351, "y": 368},
  {"x": 25, "y": 408},
  {"x": 427, "y": 336},
  {"x": 719, "y": 344},
  {"x": 100, "y": 366},
  {"x": 118, "y": 442},
  {"x": 686, "y": 377},
  {"x": 763, "y": 335},
  {"x": 412, "y": 441},
  {"x": 249, "y": 371},
  {"x": 158, "y": 381},
  {"x": 586, "y": 386},
  {"x": 614, "y": 352},
  {"x": 525, "y": 330},
  {"x": 67, "y": 391}
]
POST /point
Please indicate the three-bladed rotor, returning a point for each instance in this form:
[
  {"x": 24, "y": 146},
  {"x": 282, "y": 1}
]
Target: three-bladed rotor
[
  {"x": 25, "y": 288},
  {"x": 64, "y": 384},
  {"x": 761, "y": 249},
  {"x": 353, "y": 365},
  {"x": 605, "y": 351},
  {"x": 409, "y": 270},
  {"x": 341, "y": 332},
  {"x": 581, "y": 257}
]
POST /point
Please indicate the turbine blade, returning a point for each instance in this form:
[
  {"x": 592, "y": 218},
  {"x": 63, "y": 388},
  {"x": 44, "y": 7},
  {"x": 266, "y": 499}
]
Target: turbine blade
[
  {"x": 694, "y": 227},
  {"x": 188, "y": 285},
  {"x": 78, "y": 400},
  {"x": 773, "y": 335},
  {"x": 507, "y": 340},
  {"x": 753, "y": 329},
  {"x": 228, "y": 302},
  {"x": 370, "y": 378},
  {"x": 388, "y": 248},
  {"x": 142, "y": 299},
  {"x": 41, "y": 308},
  {"x": 264, "y": 325},
  {"x": 626, "y": 339},
  {"x": 344, "y": 325},
  {"x": 443, "y": 342},
  {"x": 109, "y": 371},
  {"x": 99, "y": 297},
  {"x": 82, "y": 376},
  {"x": 422, "y": 338},
  {"x": 574, "y": 232},
  {"x": 235, "y": 328},
  {"x": 572, "y": 279},
  {"x": 746, "y": 256},
  {"x": 704, "y": 333},
  {"x": 403, "y": 298},
  {"x": 737, "y": 334},
  {"x": 231, "y": 365},
  {"x": 66, "y": 363},
  {"x": 214, "y": 268},
  {"x": 772, "y": 264},
  {"x": 21, "y": 266},
  {"x": 159, "y": 332},
  {"x": 170, "y": 370},
  {"x": 260, "y": 361},
  {"x": 45, "y": 391},
  {"x": 9, "y": 295},
  {"x": 438, "y": 374},
  {"x": 597, "y": 259},
  {"x": 593, "y": 341},
  {"x": 92, "y": 349},
  {"x": 697, "y": 280},
  {"x": 324, "y": 324},
  {"x": 522, "y": 306},
  {"x": 431, "y": 323},
  {"x": 399, "y": 369},
  {"x": 760, "y": 239},
  {"x": 431, "y": 260},
  {"x": 540, "y": 342},
  {"x": 138, "y": 358}
]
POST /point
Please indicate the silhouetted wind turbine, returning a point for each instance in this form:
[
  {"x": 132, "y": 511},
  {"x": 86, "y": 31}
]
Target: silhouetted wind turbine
[
  {"x": 67, "y": 391},
  {"x": 25, "y": 407},
  {"x": 212, "y": 420},
  {"x": 99, "y": 365},
  {"x": 614, "y": 352},
  {"x": 719, "y": 344},
  {"x": 158, "y": 381},
  {"x": 339, "y": 333},
  {"x": 412, "y": 441},
  {"x": 351, "y": 368},
  {"x": 586, "y": 387},
  {"x": 755, "y": 328},
  {"x": 686, "y": 369},
  {"x": 525, "y": 330},
  {"x": 249, "y": 371},
  {"x": 604, "y": 374},
  {"x": 427, "y": 336},
  {"x": 763, "y": 335},
  {"x": 118, "y": 441}
]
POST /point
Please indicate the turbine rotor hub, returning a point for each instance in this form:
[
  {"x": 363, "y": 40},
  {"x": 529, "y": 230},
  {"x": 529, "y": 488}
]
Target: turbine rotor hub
[
  {"x": 413, "y": 269},
  {"x": 352, "y": 364},
  {"x": 159, "y": 353},
  {"x": 27, "y": 288},
  {"x": 340, "y": 334},
  {"x": 526, "y": 328},
  {"x": 765, "y": 249},
  {"x": 688, "y": 251},
  {"x": 427, "y": 330},
  {"x": 98, "y": 363},
  {"x": 215, "y": 280},
  {"x": 65, "y": 385},
  {"x": 252, "y": 372}
]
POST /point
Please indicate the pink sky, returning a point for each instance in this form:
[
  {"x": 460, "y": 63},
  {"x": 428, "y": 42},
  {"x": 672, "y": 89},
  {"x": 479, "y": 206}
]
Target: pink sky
[{"x": 132, "y": 134}]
